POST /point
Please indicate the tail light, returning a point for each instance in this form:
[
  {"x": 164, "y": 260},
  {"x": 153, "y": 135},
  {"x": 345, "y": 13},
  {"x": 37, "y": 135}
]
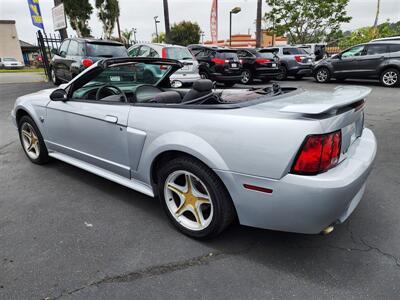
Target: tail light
[
  {"x": 163, "y": 55},
  {"x": 298, "y": 58},
  {"x": 262, "y": 60},
  {"x": 218, "y": 61},
  {"x": 318, "y": 153},
  {"x": 87, "y": 62}
]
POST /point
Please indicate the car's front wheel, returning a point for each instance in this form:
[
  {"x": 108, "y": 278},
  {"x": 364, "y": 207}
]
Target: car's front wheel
[
  {"x": 323, "y": 75},
  {"x": 247, "y": 77},
  {"x": 32, "y": 141},
  {"x": 390, "y": 78},
  {"x": 54, "y": 78},
  {"x": 194, "y": 198}
]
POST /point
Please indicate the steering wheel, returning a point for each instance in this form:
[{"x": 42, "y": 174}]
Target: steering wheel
[{"x": 111, "y": 88}]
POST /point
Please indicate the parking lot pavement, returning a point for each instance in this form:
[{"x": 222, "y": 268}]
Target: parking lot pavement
[
  {"x": 65, "y": 233},
  {"x": 22, "y": 77}
]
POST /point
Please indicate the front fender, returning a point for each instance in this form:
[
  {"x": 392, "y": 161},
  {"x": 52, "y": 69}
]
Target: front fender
[{"x": 183, "y": 142}]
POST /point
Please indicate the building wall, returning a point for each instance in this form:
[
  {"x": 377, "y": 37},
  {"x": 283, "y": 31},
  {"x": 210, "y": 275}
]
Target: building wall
[{"x": 9, "y": 45}]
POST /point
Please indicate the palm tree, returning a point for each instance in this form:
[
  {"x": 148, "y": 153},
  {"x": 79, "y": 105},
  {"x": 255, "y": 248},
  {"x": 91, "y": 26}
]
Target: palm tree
[
  {"x": 127, "y": 36},
  {"x": 258, "y": 24},
  {"x": 166, "y": 20}
]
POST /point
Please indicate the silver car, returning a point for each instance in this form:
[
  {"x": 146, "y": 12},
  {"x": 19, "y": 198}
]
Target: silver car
[
  {"x": 277, "y": 158},
  {"x": 186, "y": 75}
]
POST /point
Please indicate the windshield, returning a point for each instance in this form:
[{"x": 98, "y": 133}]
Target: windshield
[
  {"x": 126, "y": 76},
  {"x": 178, "y": 53},
  {"x": 105, "y": 50},
  {"x": 9, "y": 59}
]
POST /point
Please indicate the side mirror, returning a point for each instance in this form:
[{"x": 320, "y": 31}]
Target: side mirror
[
  {"x": 54, "y": 51},
  {"x": 58, "y": 95}
]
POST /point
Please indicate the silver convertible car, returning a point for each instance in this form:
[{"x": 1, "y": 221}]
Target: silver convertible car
[{"x": 277, "y": 158}]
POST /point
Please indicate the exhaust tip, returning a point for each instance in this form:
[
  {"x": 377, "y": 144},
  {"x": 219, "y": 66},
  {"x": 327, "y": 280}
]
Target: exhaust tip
[{"x": 327, "y": 230}]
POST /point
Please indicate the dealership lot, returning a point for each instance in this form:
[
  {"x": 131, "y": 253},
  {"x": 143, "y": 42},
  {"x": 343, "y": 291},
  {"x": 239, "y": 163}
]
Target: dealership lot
[{"x": 65, "y": 233}]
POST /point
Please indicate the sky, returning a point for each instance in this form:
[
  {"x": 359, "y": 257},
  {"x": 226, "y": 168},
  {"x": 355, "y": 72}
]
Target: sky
[{"x": 140, "y": 13}]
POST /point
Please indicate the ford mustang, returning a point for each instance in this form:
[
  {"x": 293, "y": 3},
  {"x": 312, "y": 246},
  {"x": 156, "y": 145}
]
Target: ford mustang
[{"x": 273, "y": 157}]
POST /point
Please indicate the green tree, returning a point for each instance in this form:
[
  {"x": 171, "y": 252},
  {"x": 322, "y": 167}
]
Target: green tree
[
  {"x": 307, "y": 21},
  {"x": 78, "y": 12},
  {"x": 161, "y": 38},
  {"x": 108, "y": 15},
  {"x": 126, "y": 36},
  {"x": 185, "y": 33}
]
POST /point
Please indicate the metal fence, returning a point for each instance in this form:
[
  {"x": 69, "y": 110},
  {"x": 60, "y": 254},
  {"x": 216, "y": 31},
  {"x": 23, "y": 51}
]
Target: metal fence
[{"x": 46, "y": 43}]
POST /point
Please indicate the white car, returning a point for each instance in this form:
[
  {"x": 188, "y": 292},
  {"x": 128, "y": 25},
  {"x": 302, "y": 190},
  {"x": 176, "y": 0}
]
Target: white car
[
  {"x": 186, "y": 75},
  {"x": 10, "y": 63}
]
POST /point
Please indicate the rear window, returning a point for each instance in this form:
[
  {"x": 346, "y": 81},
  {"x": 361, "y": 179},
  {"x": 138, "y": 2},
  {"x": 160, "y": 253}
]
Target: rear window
[
  {"x": 178, "y": 53},
  {"x": 293, "y": 51},
  {"x": 227, "y": 55},
  {"x": 105, "y": 50},
  {"x": 265, "y": 55}
]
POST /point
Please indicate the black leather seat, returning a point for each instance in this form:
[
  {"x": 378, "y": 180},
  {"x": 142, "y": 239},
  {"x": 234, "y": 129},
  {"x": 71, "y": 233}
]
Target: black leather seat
[
  {"x": 200, "y": 88},
  {"x": 167, "y": 97}
]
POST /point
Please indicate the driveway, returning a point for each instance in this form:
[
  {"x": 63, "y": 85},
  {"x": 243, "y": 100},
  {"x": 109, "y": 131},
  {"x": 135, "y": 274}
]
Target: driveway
[
  {"x": 22, "y": 77},
  {"x": 65, "y": 233}
]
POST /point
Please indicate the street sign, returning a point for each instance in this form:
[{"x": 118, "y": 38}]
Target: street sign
[
  {"x": 59, "y": 19},
  {"x": 36, "y": 15}
]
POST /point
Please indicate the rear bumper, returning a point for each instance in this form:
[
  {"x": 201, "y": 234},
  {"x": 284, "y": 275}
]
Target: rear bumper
[
  {"x": 226, "y": 78},
  {"x": 306, "y": 70},
  {"x": 187, "y": 78},
  {"x": 305, "y": 204},
  {"x": 266, "y": 72}
]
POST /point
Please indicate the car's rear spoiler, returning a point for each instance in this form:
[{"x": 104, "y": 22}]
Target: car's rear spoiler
[{"x": 341, "y": 98}]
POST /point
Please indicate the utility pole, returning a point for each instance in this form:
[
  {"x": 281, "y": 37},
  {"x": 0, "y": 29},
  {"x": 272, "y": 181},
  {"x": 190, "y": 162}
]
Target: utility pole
[
  {"x": 258, "y": 24},
  {"x": 62, "y": 32},
  {"x": 166, "y": 21},
  {"x": 234, "y": 11},
  {"x": 156, "y": 22}
]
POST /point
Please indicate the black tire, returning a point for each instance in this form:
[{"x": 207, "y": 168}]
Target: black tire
[
  {"x": 284, "y": 73},
  {"x": 223, "y": 210},
  {"x": 298, "y": 77},
  {"x": 247, "y": 77},
  {"x": 203, "y": 75},
  {"x": 322, "y": 75},
  {"x": 43, "y": 153},
  {"x": 390, "y": 78},
  {"x": 54, "y": 77},
  {"x": 229, "y": 84}
]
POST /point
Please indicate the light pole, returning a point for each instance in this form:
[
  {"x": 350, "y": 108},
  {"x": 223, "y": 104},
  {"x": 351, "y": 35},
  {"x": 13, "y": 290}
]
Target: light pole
[
  {"x": 235, "y": 11},
  {"x": 202, "y": 37},
  {"x": 156, "y": 22},
  {"x": 134, "y": 30}
]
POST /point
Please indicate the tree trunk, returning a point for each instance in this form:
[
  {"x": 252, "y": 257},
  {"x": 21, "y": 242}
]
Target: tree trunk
[
  {"x": 166, "y": 20},
  {"x": 258, "y": 24}
]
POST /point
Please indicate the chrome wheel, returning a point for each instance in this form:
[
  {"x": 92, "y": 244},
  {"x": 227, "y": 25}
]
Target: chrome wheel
[
  {"x": 322, "y": 75},
  {"x": 188, "y": 200},
  {"x": 246, "y": 76},
  {"x": 390, "y": 78},
  {"x": 30, "y": 141}
]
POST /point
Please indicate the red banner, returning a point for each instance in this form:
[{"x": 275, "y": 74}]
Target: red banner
[{"x": 214, "y": 21}]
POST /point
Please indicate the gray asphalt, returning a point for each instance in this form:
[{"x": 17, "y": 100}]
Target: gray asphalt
[{"x": 65, "y": 233}]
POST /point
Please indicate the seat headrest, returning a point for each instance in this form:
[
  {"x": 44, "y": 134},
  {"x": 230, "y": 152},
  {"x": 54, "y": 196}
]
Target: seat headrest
[
  {"x": 202, "y": 85},
  {"x": 168, "y": 97}
]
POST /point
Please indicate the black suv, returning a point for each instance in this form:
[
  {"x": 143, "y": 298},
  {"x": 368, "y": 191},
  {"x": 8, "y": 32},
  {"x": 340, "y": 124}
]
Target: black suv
[
  {"x": 374, "y": 60},
  {"x": 218, "y": 64},
  {"x": 76, "y": 54},
  {"x": 258, "y": 64}
]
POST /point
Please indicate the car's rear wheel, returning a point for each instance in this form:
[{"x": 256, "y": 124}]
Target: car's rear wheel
[
  {"x": 194, "y": 198},
  {"x": 323, "y": 75},
  {"x": 247, "y": 77},
  {"x": 32, "y": 141},
  {"x": 390, "y": 78},
  {"x": 284, "y": 73},
  {"x": 54, "y": 78}
]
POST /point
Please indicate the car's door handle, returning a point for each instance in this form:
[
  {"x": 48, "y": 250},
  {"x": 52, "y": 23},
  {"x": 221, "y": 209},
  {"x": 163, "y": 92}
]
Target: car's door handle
[{"x": 111, "y": 119}]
